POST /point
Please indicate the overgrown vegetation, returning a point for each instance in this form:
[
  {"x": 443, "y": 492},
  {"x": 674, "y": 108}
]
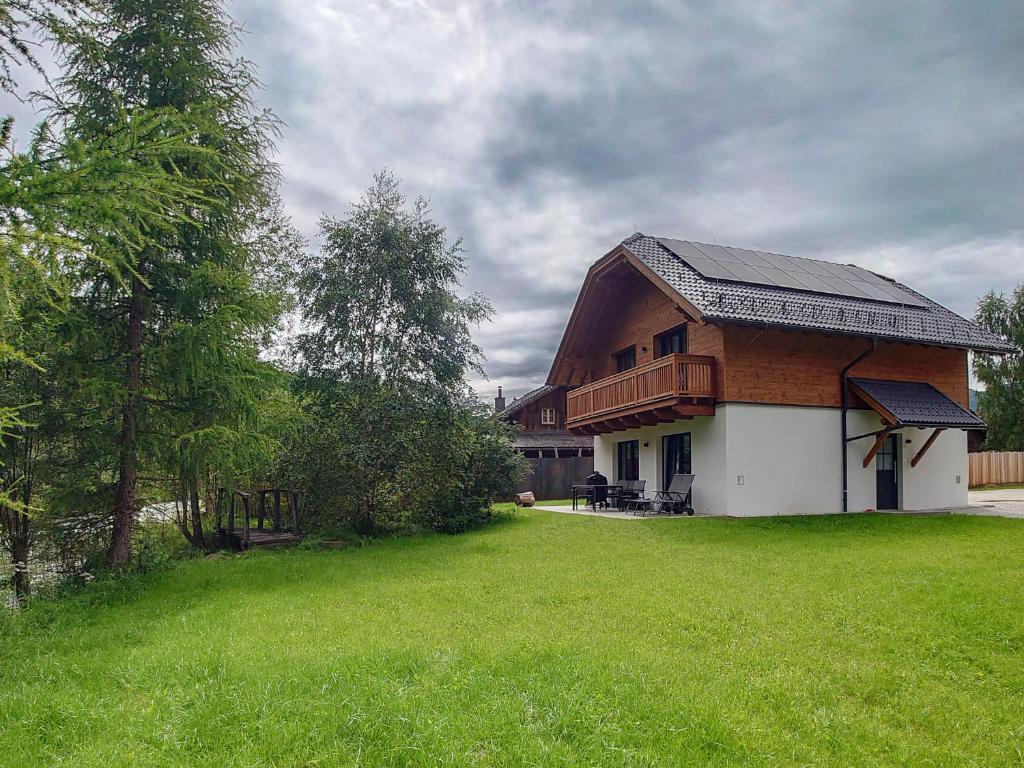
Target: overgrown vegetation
[
  {"x": 393, "y": 437},
  {"x": 1001, "y": 403},
  {"x": 548, "y": 640},
  {"x": 146, "y": 265}
]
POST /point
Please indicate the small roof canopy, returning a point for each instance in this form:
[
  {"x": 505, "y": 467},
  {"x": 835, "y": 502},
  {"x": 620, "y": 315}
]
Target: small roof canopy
[{"x": 913, "y": 404}]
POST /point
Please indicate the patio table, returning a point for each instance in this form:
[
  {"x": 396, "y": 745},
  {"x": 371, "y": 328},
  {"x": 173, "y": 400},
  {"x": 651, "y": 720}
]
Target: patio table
[{"x": 582, "y": 491}]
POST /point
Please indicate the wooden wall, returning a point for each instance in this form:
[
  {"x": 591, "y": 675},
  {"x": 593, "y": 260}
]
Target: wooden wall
[
  {"x": 529, "y": 417},
  {"x": 775, "y": 365},
  {"x": 634, "y": 315},
  {"x": 551, "y": 478}
]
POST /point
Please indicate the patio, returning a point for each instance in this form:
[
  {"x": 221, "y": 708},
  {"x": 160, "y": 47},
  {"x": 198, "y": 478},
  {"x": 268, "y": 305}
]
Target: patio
[{"x": 609, "y": 512}]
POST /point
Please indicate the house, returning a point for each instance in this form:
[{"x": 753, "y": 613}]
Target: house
[
  {"x": 786, "y": 385},
  {"x": 557, "y": 457}
]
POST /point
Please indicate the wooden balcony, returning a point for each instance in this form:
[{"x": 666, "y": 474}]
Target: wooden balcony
[{"x": 669, "y": 388}]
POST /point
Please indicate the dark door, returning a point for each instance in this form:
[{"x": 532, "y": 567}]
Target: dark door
[
  {"x": 676, "y": 450},
  {"x": 885, "y": 475}
]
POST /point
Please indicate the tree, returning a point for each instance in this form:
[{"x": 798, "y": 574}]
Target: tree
[
  {"x": 188, "y": 325},
  {"x": 17, "y": 17},
  {"x": 1002, "y": 402},
  {"x": 67, "y": 200},
  {"x": 384, "y": 362}
]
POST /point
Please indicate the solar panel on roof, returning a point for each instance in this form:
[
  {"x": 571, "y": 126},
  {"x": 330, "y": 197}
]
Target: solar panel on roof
[{"x": 717, "y": 262}]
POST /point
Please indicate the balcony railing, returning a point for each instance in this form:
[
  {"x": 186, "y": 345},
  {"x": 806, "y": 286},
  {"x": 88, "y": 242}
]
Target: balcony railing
[{"x": 662, "y": 382}]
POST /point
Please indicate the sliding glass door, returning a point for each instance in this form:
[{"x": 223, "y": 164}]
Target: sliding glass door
[{"x": 676, "y": 452}]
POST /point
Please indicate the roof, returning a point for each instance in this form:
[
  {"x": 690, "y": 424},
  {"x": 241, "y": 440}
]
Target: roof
[
  {"x": 915, "y": 404},
  {"x": 552, "y": 438},
  {"x": 530, "y": 397},
  {"x": 920, "y": 319}
]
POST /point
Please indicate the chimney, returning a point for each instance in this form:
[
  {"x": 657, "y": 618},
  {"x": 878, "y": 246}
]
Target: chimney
[{"x": 499, "y": 402}]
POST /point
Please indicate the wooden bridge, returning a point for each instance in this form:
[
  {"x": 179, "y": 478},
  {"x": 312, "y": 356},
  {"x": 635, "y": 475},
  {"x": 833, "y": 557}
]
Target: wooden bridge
[{"x": 283, "y": 527}]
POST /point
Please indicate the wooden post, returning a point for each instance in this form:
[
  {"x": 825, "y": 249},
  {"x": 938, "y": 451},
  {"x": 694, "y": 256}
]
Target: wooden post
[
  {"x": 231, "y": 515},
  {"x": 245, "y": 520},
  {"x": 261, "y": 510},
  {"x": 295, "y": 512},
  {"x": 220, "y": 508},
  {"x": 277, "y": 509},
  {"x": 879, "y": 442},
  {"x": 926, "y": 446}
]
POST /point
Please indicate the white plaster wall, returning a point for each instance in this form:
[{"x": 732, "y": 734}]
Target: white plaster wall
[
  {"x": 707, "y": 444},
  {"x": 862, "y": 482},
  {"x": 932, "y": 484},
  {"x": 789, "y": 458}
]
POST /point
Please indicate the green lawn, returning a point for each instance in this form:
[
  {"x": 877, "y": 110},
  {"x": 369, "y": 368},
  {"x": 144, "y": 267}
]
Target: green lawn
[{"x": 545, "y": 640}]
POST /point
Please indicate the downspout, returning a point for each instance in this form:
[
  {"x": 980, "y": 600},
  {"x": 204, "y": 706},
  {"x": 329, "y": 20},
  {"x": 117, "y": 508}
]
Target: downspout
[{"x": 846, "y": 406}]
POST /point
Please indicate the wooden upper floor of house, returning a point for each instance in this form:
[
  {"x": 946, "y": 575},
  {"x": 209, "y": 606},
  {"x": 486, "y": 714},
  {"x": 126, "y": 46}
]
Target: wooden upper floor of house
[{"x": 650, "y": 339}]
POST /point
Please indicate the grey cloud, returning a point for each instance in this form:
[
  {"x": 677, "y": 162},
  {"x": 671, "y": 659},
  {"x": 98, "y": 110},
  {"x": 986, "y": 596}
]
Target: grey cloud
[{"x": 544, "y": 133}]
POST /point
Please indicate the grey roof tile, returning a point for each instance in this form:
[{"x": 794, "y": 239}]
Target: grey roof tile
[
  {"x": 552, "y": 438},
  {"x": 918, "y": 404},
  {"x": 729, "y": 299}
]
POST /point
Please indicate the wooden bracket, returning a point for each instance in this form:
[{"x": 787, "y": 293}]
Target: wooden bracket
[
  {"x": 926, "y": 446},
  {"x": 879, "y": 442}
]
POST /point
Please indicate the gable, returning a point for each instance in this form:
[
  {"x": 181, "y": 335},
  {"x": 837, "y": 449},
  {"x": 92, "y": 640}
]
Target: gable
[{"x": 621, "y": 301}]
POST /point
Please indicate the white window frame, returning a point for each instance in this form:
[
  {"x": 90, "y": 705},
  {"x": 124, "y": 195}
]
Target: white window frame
[{"x": 547, "y": 416}]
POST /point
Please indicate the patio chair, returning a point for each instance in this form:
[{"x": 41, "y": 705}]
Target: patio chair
[
  {"x": 618, "y": 494},
  {"x": 631, "y": 493},
  {"x": 675, "y": 499}
]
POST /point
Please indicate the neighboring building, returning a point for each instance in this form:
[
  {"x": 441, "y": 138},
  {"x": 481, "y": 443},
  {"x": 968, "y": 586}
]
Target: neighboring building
[
  {"x": 739, "y": 366},
  {"x": 558, "y": 458}
]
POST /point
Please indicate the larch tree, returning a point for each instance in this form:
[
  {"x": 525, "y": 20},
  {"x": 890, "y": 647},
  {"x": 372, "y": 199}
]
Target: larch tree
[
  {"x": 65, "y": 200},
  {"x": 187, "y": 324}
]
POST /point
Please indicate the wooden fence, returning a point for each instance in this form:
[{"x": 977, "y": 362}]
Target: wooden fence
[
  {"x": 551, "y": 478},
  {"x": 996, "y": 467}
]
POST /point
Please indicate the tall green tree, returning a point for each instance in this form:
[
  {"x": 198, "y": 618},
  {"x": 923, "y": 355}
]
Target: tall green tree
[
  {"x": 192, "y": 301},
  {"x": 384, "y": 362},
  {"x": 65, "y": 200},
  {"x": 1002, "y": 402}
]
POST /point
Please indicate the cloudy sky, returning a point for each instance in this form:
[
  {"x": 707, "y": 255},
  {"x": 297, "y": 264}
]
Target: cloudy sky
[{"x": 882, "y": 134}]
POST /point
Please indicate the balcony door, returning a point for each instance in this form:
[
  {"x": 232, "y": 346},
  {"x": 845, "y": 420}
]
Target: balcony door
[
  {"x": 625, "y": 359},
  {"x": 676, "y": 453},
  {"x": 672, "y": 342}
]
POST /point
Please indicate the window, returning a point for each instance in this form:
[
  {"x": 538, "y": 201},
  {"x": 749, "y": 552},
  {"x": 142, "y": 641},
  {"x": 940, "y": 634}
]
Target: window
[
  {"x": 629, "y": 460},
  {"x": 672, "y": 341},
  {"x": 547, "y": 415},
  {"x": 625, "y": 359}
]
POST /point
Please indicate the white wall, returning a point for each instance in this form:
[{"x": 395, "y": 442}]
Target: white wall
[
  {"x": 789, "y": 459},
  {"x": 862, "y": 482},
  {"x": 707, "y": 445},
  {"x": 932, "y": 484}
]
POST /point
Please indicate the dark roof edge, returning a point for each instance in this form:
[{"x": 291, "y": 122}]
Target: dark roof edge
[{"x": 1007, "y": 350}]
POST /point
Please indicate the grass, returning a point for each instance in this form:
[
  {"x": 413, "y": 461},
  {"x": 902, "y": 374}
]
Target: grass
[
  {"x": 546, "y": 640},
  {"x": 998, "y": 487}
]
